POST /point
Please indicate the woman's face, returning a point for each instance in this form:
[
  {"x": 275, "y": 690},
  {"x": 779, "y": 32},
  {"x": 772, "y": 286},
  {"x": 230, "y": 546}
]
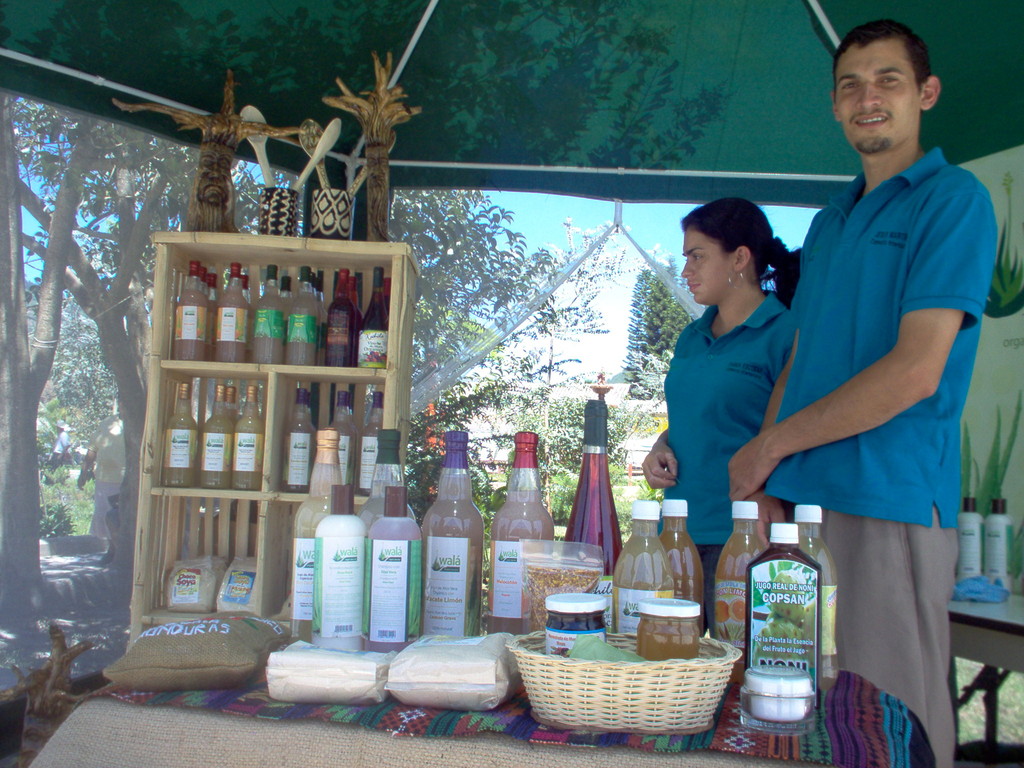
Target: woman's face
[{"x": 708, "y": 267}]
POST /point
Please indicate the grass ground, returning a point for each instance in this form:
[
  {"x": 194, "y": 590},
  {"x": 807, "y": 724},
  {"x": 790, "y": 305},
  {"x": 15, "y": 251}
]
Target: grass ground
[{"x": 1011, "y": 707}]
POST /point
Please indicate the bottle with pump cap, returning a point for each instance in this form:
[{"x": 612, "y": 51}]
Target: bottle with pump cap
[
  {"x": 970, "y": 536},
  {"x": 687, "y": 571},
  {"x": 387, "y": 473},
  {"x": 394, "y": 589},
  {"x": 315, "y": 508},
  {"x": 808, "y": 520},
  {"x": 216, "y": 444},
  {"x": 180, "y": 442},
  {"x": 339, "y": 571},
  {"x": 998, "y": 538},
  {"x": 367, "y": 458},
  {"x": 783, "y": 620},
  {"x": 453, "y": 534},
  {"x": 643, "y": 570},
  {"x": 522, "y": 516},
  {"x": 298, "y": 445},
  {"x": 742, "y": 546},
  {"x": 348, "y": 434},
  {"x": 190, "y": 318},
  {"x": 231, "y": 337}
]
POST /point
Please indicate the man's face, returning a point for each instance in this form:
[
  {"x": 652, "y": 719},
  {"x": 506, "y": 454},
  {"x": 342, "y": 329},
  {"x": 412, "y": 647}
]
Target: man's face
[{"x": 877, "y": 99}]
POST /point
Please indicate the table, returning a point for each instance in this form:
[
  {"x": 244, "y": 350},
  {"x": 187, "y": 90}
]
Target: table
[{"x": 992, "y": 634}]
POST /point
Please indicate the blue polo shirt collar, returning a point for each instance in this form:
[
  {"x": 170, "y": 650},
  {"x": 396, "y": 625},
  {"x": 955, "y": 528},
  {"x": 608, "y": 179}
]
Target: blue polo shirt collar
[
  {"x": 769, "y": 308},
  {"x": 923, "y": 169}
]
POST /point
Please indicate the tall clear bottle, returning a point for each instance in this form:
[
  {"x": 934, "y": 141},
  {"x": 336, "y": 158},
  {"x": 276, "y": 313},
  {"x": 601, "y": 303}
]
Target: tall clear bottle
[
  {"x": 522, "y": 516},
  {"x": 643, "y": 570},
  {"x": 593, "y": 519},
  {"x": 453, "y": 534},
  {"x": 210, "y": 281},
  {"x": 180, "y": 442},
  {"x": 348, "y": 434},
  {"x": 268, "y": 332},
  {"x": 339, "y": 573},
  {"x": 392, "y": 602},
  {"x": 303, "y": 323},
  {"x": 326, "y": 473},
  {"x": 232, "y": 320},
  {"x": 190, "y": 318},
  {"x": 373, "y": 336},
  {"x": 216, "y": 444},
  {"x": 298, "y": 445},
  {"x": 687, "y": 572},
  {"x": 386, "y": 474},
  {"x": 247, "y": 470},
  {"x": 742, "y": 546},
  {"x": 368, "y": 444},
  {"x": 808, "y": 520}
]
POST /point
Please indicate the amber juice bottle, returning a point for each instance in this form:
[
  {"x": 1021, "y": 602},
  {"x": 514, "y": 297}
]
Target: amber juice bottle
[
  {"x": 180, "y": 441},
  {"x": 743, "y": 545},
  {"x": 217, "y": 442},
  {"x": 687, "y": 572},
  {"x": 247, "y": 471}
]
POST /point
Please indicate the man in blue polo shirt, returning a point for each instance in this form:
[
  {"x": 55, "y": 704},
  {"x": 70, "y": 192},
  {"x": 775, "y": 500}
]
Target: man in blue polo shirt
[{"x": 865, "y": 418}]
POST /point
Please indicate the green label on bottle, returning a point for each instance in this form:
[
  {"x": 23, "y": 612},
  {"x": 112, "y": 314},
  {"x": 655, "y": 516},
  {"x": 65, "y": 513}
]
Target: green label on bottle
[
  {"x": 784, "y": 615},
  {"x": 302, "y": 329},
  {"x": 269, "y": 324}
]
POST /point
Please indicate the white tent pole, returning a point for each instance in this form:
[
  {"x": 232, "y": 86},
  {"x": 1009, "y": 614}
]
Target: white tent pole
[{"x": 819, "y": 12}]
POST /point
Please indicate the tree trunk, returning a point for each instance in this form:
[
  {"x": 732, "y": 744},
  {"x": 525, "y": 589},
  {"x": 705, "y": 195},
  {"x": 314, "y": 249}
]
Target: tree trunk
[{"x": 378, "y": 173}]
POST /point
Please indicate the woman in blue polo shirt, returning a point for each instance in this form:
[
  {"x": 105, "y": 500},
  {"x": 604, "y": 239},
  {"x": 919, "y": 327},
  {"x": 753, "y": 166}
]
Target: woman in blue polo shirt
[{"x": 724, "y": 367}]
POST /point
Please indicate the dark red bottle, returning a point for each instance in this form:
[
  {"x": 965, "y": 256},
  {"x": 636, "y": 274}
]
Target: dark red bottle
[
  {"x": 593, "y": 519},
  {"x": 342, "y": 331}
]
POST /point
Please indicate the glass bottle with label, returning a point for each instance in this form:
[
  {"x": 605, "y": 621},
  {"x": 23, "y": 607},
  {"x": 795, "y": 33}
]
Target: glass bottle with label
[
  {"x": 453, "y": 534},
  {"x": 782, "y": 617},
  {"x": 298, "y": 445},
  {"x": 643, "y": 570},
  {"x": 808, "y": 520},
  {"x": 247, "y": 471},
  {"x": 339, "y": 573},
  {"x": 522, "y": 516},
  {"x": 348, "y": 434},
  {"x": 368, "y": 444},
  {"x": 232, "y": 320},
  {"x": 387, "y": 473},
  {"x": 268, "y": 332},
  {"x": 190, "y": 318},
  {"x": 742, "y": 546},
  {"x": 373, "y": 337},
  {"x": 394, "y": 589},
  {"x": 326, "y": 473},
  {"x": 303, "y": 323},
  {"x": 687, "y": 572},
  {"x": 210, "y": 281},
  {"x": 342, "y": 335},
  {"x": 217, "y": 442},
  {"x": 180, "y": 442}
]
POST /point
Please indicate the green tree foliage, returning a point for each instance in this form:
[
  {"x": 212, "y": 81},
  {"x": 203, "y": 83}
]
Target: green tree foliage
[{"x": 656, "y": 321}]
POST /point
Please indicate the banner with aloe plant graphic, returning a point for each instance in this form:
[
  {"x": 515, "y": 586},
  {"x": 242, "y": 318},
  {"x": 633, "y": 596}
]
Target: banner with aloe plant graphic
[{"x": 992, "y": 459}]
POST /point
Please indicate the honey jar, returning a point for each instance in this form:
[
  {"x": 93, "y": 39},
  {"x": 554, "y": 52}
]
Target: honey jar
[{"x": 669, "y": 629}]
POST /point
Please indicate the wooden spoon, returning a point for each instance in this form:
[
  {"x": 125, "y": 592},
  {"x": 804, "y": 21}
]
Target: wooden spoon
[
  {"x": 331, "y": 133},
  {"x": 309, "y": 135},
  {"x": 250, "y": 114}
]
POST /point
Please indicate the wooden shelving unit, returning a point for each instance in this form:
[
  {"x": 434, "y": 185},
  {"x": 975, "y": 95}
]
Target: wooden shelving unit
[{"x": 173, "y": 522}]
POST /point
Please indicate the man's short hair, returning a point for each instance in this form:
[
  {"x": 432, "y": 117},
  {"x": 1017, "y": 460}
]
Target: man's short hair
[{"x": 886, "y": 29}]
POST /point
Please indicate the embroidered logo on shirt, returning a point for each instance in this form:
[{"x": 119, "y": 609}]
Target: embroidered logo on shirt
[
  {"x": 891, "y": 239},
  {"x": 748, "y": 369}
]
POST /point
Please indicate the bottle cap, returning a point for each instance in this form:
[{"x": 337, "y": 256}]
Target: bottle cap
[
  {"x": 785, "y": 533},
  {"x": 456, "y": 440},
  {"x": 668, "y": 606},
  {"x": 526, "y": 441},
  {"x": 394, "y": 501},
  {"x": 343, "y": 499},
  {"x": 595, "y": 423},
  {"x": 343, "y": 399},
  {"x": 807, "y": 513},
  {"x": 970, "y": 504},
  {"x": 576, "y": 603},
  {"x": 271, "y": 271},
  {"x": 387, "y": 446},
  {"x": 302, "y": 396},
  {"x": 327, "y": 440},
  {"x": 646, "y": 509},
  {"x": 779, "y": 681},
  {"x": 235, "y": 269},
  {"x": 674, "y": 508},
  {"x": 744, "y": 510},
  {"x": 286, "y": 282},
  {"x": 999, "y": 506},
  {"x": 378, "y": 399}
]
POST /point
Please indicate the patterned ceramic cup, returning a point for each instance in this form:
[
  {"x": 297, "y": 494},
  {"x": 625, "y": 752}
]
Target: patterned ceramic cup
[
  {"x": 279, "y": 211},
  {"x": 330, "y": 214}
]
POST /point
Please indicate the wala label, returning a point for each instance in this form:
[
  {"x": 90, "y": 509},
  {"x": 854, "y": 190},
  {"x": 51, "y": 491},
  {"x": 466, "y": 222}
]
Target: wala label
[
  {"x": 627, "y": 607},
  {"x": 445, "y": 588},
  {"x": 507, "y": 587}
]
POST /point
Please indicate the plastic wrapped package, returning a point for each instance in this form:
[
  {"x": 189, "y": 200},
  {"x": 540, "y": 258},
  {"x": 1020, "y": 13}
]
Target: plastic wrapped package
[
  {"x": 192, "y": 584},
  {"x": 304, "y": 673}
]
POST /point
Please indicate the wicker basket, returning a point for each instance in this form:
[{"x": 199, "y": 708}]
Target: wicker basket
[{"x": 674, "y": 696}]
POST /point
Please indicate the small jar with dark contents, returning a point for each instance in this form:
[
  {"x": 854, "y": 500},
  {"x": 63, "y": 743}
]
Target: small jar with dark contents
[
  {"x": 669, "y": 629},
  {"x": 572, "y": 615}
]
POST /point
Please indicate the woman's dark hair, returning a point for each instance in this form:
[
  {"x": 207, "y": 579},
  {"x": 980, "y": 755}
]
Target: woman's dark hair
[{"x": 734, "y": 221}]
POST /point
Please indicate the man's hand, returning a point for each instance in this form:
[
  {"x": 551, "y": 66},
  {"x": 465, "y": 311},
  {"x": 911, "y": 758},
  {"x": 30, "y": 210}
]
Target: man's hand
[
  {"x": 769, "y": 510},
  {"x": 660, "y": 466},
  {"x": 750, "y": 467}
]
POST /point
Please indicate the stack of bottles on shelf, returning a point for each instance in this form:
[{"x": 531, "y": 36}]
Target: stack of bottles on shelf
[
  {"x": 224, "y": 324},
  {"x": 228, "y": 451}
]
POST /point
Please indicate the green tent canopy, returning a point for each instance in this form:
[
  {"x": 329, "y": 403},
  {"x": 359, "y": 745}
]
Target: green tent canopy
[{"x": 679, "y": 100}]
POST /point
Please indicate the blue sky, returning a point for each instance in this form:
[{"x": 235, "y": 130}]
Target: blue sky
[{"x": 540, "y": 218}]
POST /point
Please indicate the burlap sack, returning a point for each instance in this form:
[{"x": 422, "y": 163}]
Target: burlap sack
[{"x": 219, "y": 652}]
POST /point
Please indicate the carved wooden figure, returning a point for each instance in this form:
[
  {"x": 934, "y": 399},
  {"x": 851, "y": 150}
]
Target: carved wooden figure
[
  {"x": 211, "y": 207},
  {"x": 378, "y": 113}
]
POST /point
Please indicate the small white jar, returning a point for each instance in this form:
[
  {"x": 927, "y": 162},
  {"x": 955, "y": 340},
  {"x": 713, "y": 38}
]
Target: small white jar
[{"x": 777, "y": 700}]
